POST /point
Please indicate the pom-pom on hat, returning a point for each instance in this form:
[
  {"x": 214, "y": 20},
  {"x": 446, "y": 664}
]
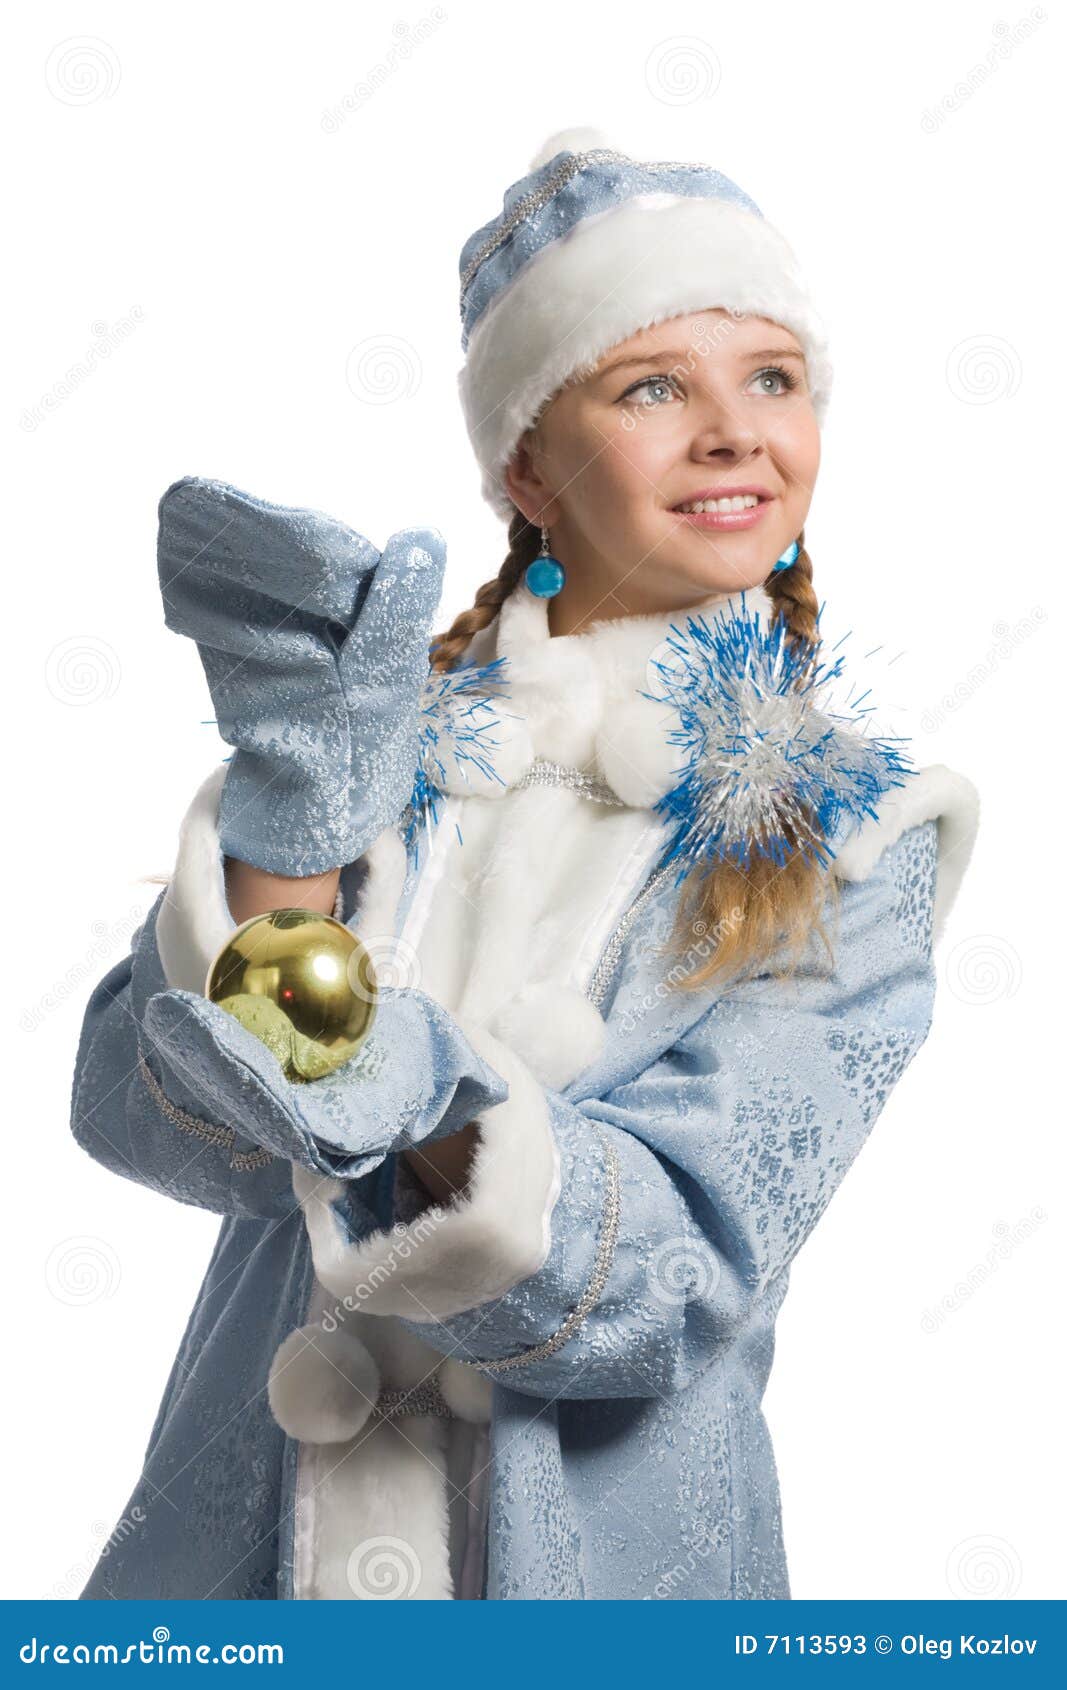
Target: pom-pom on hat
[{"x": 591, "y": 246}]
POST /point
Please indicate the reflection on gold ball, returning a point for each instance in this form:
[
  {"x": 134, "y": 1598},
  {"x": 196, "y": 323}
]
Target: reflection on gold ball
[{"x": 302, "y": 983}]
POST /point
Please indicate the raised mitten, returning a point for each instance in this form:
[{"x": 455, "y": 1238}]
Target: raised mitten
[{"x": 315, "y": 646}]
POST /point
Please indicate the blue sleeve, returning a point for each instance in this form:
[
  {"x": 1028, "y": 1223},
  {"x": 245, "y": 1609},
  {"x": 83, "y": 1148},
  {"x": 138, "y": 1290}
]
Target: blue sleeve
[{"x": 616, "y": 1246}]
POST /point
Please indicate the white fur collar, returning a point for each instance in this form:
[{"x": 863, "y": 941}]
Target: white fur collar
[{"x": 576, "y": 699}]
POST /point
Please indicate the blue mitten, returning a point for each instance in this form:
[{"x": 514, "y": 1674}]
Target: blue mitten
[
  {"x": 415, "y": 1078},
  {"x": 315, "y": 646}
]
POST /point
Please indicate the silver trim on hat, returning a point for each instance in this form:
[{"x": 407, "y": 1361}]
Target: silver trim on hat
[{"x": 572, "y": 164}]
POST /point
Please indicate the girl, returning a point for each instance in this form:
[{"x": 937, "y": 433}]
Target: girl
[{"x": 492, "y": 1309}]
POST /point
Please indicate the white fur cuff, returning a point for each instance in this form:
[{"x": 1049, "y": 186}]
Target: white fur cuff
[{"x": 454, "y": 1256}]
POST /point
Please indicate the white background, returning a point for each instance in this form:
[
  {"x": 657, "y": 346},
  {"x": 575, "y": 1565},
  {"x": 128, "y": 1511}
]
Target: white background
[{"x": 207, "y": 220}]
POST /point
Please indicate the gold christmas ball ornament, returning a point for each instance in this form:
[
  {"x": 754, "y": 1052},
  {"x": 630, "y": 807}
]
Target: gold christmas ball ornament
[{"x": 300, "y": 982}]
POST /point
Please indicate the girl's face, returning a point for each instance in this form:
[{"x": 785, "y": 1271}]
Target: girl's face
[{"x": 706, "y": 404}]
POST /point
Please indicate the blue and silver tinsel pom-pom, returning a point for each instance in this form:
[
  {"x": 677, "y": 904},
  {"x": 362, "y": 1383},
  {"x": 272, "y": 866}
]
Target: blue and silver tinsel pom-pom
[
  {"x": 457, "y": 716},
  {"x": 769, "y": 770}
]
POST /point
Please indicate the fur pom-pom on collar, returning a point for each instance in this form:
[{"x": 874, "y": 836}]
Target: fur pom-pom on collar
[{"x": 576, "y": 699}]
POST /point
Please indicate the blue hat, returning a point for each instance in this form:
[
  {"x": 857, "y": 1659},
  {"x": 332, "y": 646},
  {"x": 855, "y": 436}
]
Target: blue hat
[{"x": 590, "y": 247}]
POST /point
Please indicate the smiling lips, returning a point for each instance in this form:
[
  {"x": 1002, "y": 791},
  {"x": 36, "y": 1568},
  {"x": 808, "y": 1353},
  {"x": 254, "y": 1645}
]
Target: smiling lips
[{"x": 740, "y": 508}]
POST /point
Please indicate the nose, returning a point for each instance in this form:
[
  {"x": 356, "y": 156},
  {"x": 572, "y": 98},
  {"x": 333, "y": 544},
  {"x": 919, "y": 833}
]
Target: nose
[{"x": 723, "y": 434}]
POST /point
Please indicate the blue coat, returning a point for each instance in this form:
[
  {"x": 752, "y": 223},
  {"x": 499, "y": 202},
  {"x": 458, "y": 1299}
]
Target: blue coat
[{"x": 605, "y": 1297}]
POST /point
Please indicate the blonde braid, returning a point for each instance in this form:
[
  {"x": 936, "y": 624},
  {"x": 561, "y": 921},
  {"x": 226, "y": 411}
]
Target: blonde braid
[
  {"x": 793, "y": 595},
  {"x": 524, "y": 543}
]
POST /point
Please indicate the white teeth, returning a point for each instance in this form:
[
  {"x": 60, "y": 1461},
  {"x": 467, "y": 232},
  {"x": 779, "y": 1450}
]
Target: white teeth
[{"x": 742, "y": 502}]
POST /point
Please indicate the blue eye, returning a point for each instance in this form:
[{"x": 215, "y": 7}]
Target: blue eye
[
  {"x": 789, "y": 381},
  {"x": 650, "y": 381}
]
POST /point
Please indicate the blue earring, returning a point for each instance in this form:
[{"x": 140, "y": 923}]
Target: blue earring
[
  {"x": 545, "y": 575},
  {"x": 790, "y": 555}
]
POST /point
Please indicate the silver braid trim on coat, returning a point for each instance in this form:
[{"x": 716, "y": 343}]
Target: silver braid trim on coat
[
  {"x": 543, "y": 772},
  {"x": 423, "y": 1398},
  {"x": 597, "y": 989},
  {"x": 223, "y": 1138},
  {"x": 606, "y": 1242}
]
